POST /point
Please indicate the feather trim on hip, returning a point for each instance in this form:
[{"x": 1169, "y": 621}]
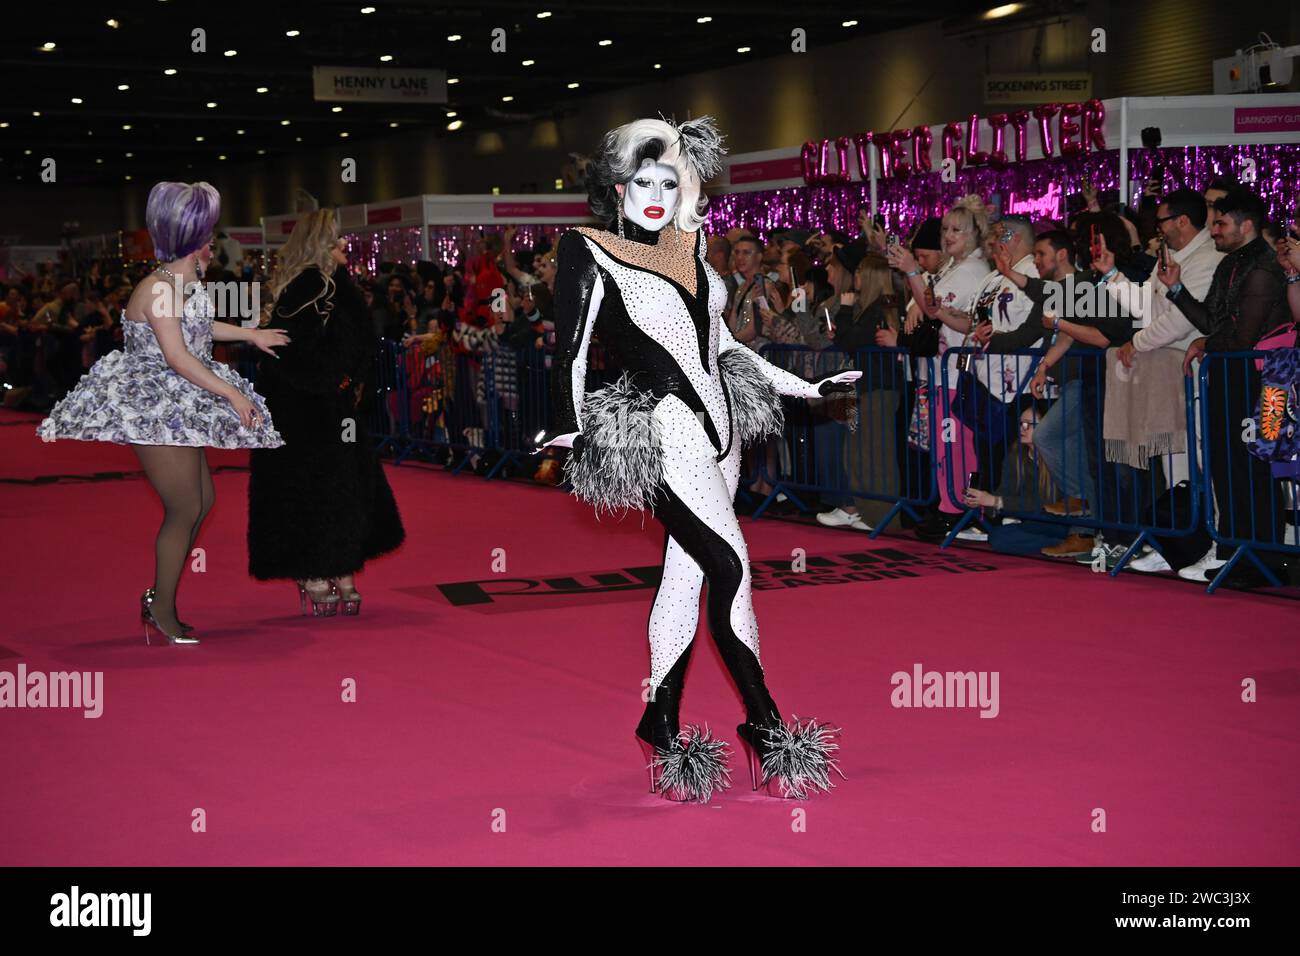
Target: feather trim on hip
[
  {"x": 621, "y": 465},
  {"x": 755, "y": 404}
]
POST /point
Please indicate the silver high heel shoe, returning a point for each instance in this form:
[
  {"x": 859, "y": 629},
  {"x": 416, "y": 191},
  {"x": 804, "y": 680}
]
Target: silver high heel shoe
[
  {"x": 148, "y": 599},
  {"x": 147, "y": 618},
  {"x": 324, "y": 604},
  {"x": 351, "y": 599}
]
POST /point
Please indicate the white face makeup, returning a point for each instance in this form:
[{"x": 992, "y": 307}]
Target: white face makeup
[{"x": 650, "y": 198}]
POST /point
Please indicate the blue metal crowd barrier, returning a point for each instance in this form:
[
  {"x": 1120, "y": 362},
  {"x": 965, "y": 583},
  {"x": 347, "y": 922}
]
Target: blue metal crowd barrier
[
  {"x": 924, "y": 435},
  {"x": 855, "y": 446},
  {"x": 1124, "y": 488}
]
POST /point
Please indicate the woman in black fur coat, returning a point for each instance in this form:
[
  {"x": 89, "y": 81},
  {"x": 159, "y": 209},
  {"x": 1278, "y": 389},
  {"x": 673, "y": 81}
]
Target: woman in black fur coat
[{"x": 320, "y": 506}]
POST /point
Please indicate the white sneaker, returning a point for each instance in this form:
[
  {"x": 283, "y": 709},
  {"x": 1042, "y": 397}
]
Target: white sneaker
[
  {"x": 1203, "y": 569},
  {"x": 857, "y": 524},
  {"x": 1150, "y": 563},
  {"x": 837, "y": 518},
  {"x": 972, "y": 534}
]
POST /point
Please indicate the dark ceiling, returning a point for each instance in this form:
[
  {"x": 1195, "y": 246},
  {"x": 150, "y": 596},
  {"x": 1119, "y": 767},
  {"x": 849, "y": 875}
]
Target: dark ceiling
[{"x": 167, "y": 113}]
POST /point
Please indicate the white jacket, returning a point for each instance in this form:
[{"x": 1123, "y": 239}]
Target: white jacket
[{"x": 1166, "y": 326}]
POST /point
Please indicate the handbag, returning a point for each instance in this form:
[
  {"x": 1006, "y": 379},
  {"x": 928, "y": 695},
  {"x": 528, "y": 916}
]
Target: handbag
[
  {"x": 1283, "y": 337},
  {"x": 1277, "y": 416}
]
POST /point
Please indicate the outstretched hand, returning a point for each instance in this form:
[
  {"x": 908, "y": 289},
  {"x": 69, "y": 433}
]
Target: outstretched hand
[
  {"x": 843, "y": 382},
  {"x": 268, "y": 339}
]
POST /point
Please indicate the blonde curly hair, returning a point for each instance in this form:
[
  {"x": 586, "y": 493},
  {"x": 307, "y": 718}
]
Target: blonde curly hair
[{"x": 972, "y": 212}]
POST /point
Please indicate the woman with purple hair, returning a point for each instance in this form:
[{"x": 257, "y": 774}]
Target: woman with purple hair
[{"x": 165, "y": 396}]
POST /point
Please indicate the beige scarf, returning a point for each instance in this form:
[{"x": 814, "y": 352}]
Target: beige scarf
[{"x": 1146, "y": 412}]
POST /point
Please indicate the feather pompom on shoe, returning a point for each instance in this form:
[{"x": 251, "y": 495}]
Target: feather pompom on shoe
[
  {"x": 694, "y": 768},
  {"x": 798, "y": 757}
]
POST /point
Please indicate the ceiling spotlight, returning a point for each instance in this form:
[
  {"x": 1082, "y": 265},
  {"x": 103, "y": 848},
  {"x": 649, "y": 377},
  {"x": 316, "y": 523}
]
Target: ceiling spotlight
[
  {"x": 454, "y": 79},
  {"x": 4, "y": 124},
  {"x": 212, "y": 106},
  {"x": 128, "y": 175},
  {"x": 451, "y": 114},
  {"x": 507, "y": 99},
  {"x": 704, "y": 19},
  {"x": 284, "y": 122},
  {"x": 454, "y": 37},
  {"x": 742, "y": 49},
  {"x": 291, "y": 33},
  {"x": 231, "y": 52},
  {"x": 113, "y": 23},
  {"x": 849, "y": 23},
  {"x": 606, "y": 42},
  {"x": 100, "y": 161},
  {"x": 385, "y": 58},
  {"x": 77, "y": 100},
  {"x": 544, "y": 14},
  {"x": 394, "y": 124},
  {"x": 123, "y": 87},
  {"x": 126, "y": 126},
  {"x": 239, "y": 132},
  {"x": 367, "y": 9},
  {"x": 529, "y": 62},
  {"x": 36, "y": 112},
  {"x": 1003, "y": 11},
  {"x": 573, "y": 86},
  {"x": 170, "y": 71},
  {"x": 27, "y": 152},
  {"x": 221, "y": 157},
  {"x": 128, "y": 155},
  {"x": 261, "y": 152},
  {"x": 261, "y": 89},
  {"x": 343, "y": 135},
  {"x": 297, "y": 139},
  {"x": 47, "y": 47},
  {"x": 198, "y": 139},
  {"x": 336, "y": 109},
  {"x": 453, "y": 125},
  {"x": 658, "y": 65}
]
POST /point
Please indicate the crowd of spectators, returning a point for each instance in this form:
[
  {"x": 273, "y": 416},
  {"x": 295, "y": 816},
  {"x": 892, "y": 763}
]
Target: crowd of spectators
[{"x": 985, "y": 363}]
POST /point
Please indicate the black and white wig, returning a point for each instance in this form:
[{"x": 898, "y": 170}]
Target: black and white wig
[{"x": 694, "y": 148}]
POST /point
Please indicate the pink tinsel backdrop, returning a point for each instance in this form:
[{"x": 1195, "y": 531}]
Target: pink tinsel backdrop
[
  {"x": 1043, "y": 184},
  {"x": 905, "y": 202}
]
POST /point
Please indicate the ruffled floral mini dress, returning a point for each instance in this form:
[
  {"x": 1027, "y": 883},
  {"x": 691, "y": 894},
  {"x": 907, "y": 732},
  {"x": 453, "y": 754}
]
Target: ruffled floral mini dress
[{"x": 134, "y": 397}]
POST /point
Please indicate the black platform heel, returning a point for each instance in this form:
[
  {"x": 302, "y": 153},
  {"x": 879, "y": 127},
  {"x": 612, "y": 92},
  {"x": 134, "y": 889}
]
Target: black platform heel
[
  {"x": 685, "y": 765},
  {"x": 790, "y": 761}
]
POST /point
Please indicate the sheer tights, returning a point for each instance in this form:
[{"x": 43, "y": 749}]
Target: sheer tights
[{"x": 182, "y": 480}]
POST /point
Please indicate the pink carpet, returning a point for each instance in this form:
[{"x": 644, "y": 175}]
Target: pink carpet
[{"x": 1123, "y": 695}]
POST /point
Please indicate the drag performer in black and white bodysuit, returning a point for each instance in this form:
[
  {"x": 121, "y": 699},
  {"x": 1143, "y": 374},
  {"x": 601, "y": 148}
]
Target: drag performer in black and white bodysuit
[{"x": 667, "y": 436}]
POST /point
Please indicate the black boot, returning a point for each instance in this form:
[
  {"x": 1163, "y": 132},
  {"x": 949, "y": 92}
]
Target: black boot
[
  {"x": 685, "y": 766},
  {"x": 798, "y": 758}
]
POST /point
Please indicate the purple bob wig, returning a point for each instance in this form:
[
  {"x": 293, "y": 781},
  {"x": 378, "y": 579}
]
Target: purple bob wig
[{"x": 180, "y": 217}]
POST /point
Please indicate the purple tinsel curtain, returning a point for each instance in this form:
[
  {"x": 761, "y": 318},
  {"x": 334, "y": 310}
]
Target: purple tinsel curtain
[{"x": 905, "y": 203}]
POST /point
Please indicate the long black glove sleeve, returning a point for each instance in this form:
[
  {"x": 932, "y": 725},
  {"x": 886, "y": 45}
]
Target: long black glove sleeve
[{"x": 577, "y": 280}]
